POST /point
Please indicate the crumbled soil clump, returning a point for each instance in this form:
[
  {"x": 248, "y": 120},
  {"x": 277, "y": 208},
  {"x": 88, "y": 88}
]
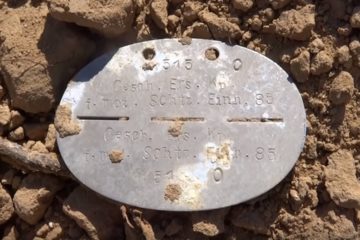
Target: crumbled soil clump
[
  {"x": 64, "y": 122},
  {"x": 175, "y": 128},
  {"x": 33, "y": 60},
  {"x": 116, "y": 156},
  {"x": 296, "y": 24},
  {"x": 172, "y": 192},
  {"x": 44, "y": 43},
  {"x": 110, "y": 18}
]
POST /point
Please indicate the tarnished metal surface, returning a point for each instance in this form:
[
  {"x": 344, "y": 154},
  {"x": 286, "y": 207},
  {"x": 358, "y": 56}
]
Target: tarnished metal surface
[{"x": 185, "y": 129}]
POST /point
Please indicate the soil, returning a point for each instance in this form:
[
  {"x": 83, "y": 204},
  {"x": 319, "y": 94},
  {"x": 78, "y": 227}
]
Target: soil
[
  {"x": 175, "y": 128},
  {"x": 116, "y": 156},
  {"x": 172, "y": 192},
  {"x": 64, "y": 122},
  {"x": 43, "y": 43}
]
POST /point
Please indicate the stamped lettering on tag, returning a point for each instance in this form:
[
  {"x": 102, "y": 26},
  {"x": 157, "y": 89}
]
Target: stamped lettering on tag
[{"x": 168, "y": 126}]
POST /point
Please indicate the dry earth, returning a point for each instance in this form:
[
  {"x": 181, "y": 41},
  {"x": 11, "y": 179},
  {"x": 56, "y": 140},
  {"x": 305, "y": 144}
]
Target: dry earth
[{"x": 43, "y": 43}]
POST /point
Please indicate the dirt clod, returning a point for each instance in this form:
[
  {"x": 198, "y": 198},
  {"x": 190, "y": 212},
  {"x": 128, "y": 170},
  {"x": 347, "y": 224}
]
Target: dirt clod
[
  {"x": 344, "y": 56},
  {"x": 300, "y": 66},
  {"x": 6, "y": 206},
  {"x": 296, "y": 24},
  {"x": 208, "y": 229},
  {"x": 316, "y": 46},
  {"x": 5, "y": 115},
  {"x": 148, "y": 66},
  {"x": 110, "y": 18},
  {"x": 159, "y": 13},
  {"x": 17, "y": 134},
  {"x": 33, "y": 62},
  {"x": 342, "y": 88},
  {"x": 341, "y": 181},
  {"x": 220, "y": 28},
  {"x": 34, "y": 196},
  {"x": 321, "y": 63},
  {"x": 243, "y": 5},
  {"x": 355, "y": 18},
  {"x": 116, "y": 156},
  {"x": 209, "y": 224},
  {"x": 64, "y": 123},
  {"x": 50, "y": 138},
  {"x": 16, "y": 119},
  {"x": 172, "y": 192},
  {"x": 211, "y": 54},
  {"x": 185, "y": 40},
  {"x": 39, "y": 147}
]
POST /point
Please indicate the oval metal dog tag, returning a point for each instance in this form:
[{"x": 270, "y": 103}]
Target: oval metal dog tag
[{"x": 167, "y": 126}]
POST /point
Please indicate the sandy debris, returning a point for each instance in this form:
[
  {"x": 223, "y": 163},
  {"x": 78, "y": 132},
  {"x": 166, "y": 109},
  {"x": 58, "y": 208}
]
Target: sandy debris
[
  {"x": 175, "y": 128},
  {"x": 116, "y": 156},
  {"x": 172, "y": 192},
  {"x": 64, "y": 123}
]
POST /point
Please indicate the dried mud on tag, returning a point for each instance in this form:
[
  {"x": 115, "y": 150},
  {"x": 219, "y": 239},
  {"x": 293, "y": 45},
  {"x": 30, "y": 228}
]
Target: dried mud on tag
[{"x": 317, "y": 43}]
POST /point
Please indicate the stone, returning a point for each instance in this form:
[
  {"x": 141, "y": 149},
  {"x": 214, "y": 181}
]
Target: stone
[
  {"x": 355, "y": 127},
  {"x": 109, "y": 18},
  {"x": 64, "y": 123},
  {"x": 34, "y": 196}
]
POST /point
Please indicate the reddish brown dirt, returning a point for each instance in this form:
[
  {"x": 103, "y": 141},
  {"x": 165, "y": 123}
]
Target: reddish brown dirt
[{"x": 43, "y": 43}]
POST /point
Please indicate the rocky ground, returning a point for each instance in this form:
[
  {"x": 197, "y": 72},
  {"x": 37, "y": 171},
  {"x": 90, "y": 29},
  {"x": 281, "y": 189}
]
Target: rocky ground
[{"x": 43, "y": 43}]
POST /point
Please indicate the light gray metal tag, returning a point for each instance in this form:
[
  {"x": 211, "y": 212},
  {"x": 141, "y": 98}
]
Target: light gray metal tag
[{"x": 168, "y": 126}]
